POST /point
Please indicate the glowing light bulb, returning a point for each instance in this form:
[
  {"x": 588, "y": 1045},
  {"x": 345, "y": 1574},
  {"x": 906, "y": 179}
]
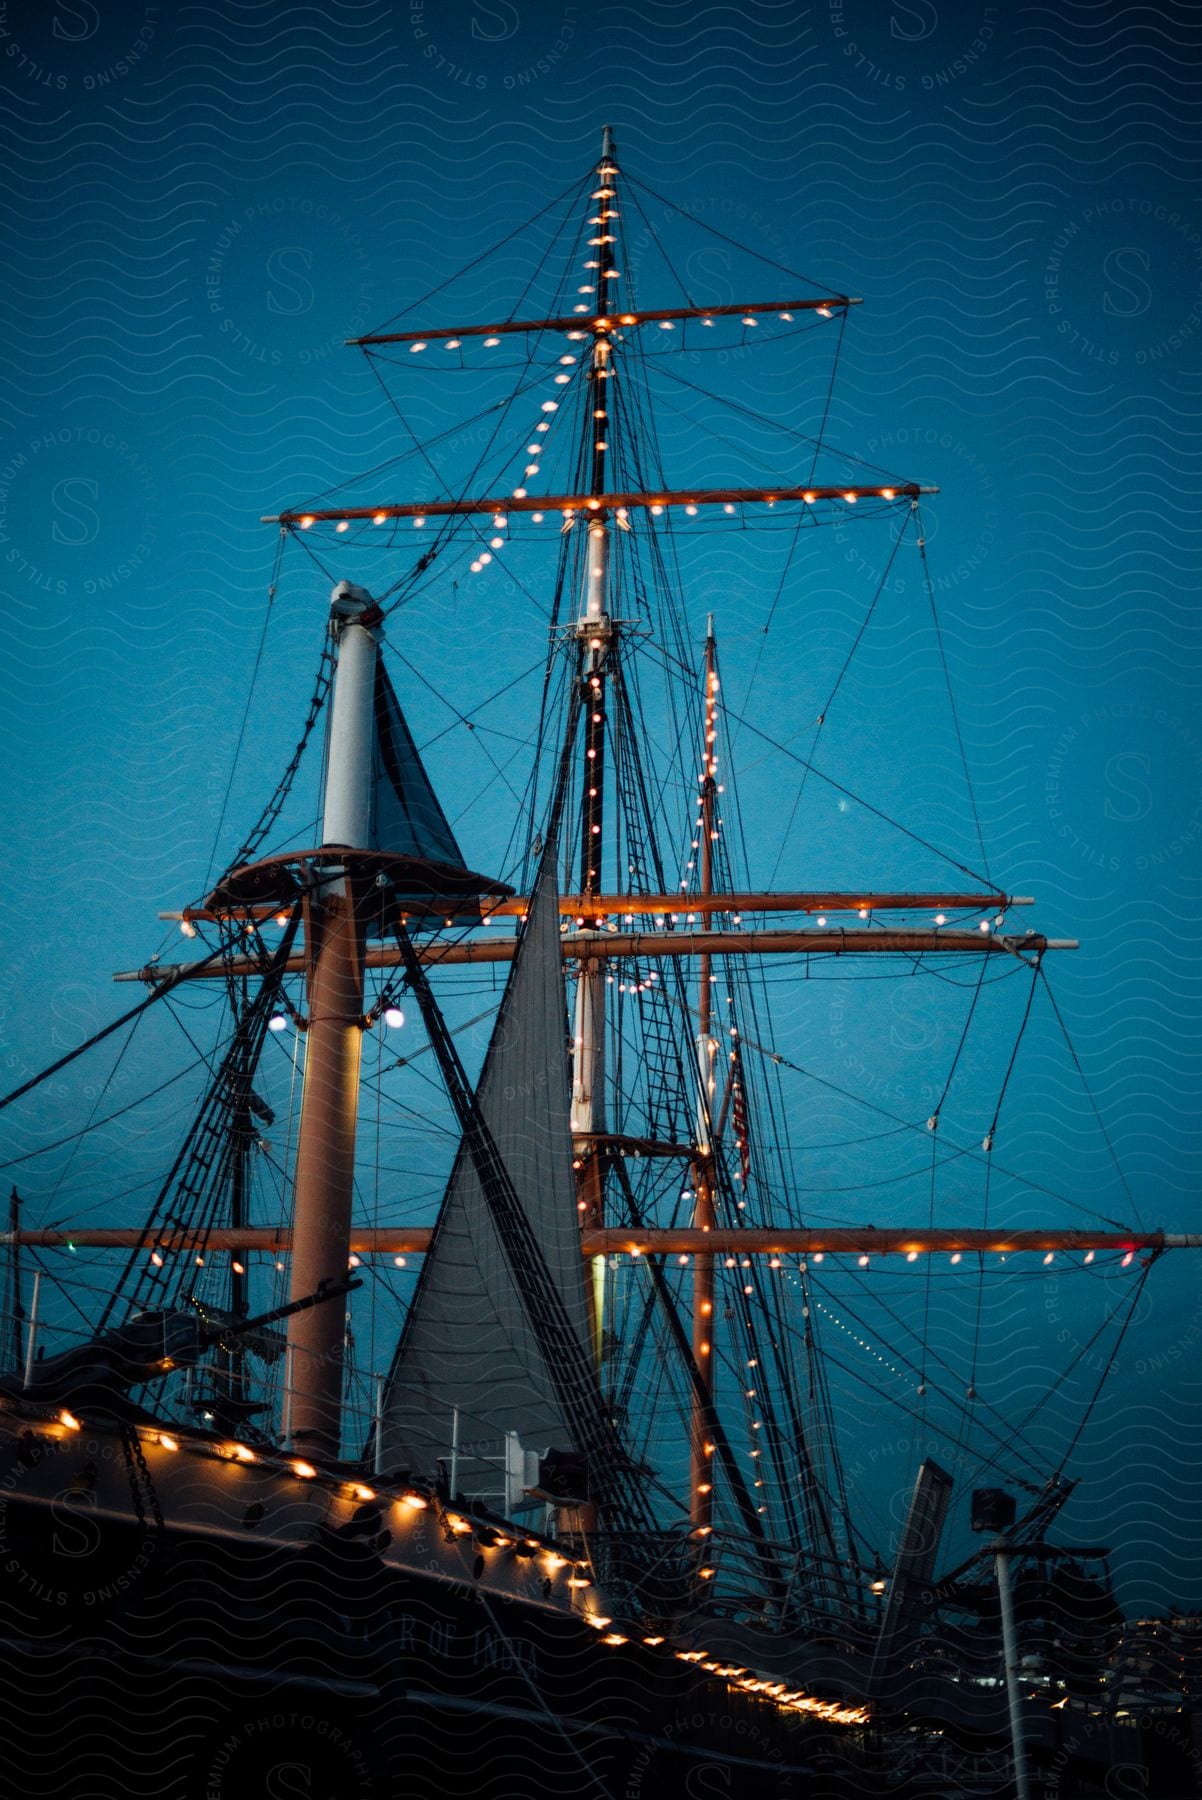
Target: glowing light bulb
[
  {"x": 278, "y": 1022},
  {"x": 305, "y": 1470}
]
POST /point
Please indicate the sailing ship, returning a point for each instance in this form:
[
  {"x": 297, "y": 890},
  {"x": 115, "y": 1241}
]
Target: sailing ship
[{"x": 588, "y": 1528}]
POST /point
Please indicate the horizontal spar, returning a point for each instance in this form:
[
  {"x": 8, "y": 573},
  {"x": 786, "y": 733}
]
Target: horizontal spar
[
  {"x": 619, "y": 1241},
  {"x": 632, "y": 906},
  {"x": 604, "y": 321},
  {"x": 571, "y": 504},
  {"x": 652, "y": 946}
]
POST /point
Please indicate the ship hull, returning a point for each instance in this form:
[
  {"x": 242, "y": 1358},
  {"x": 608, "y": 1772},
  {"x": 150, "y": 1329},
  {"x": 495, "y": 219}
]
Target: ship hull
[
  {"x": 213, "y": 1634},
  {"x": 181, "y": 1625}
]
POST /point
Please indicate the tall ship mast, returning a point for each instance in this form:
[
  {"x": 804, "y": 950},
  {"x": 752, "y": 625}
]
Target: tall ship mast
[{"x": 521, "y": 1122}]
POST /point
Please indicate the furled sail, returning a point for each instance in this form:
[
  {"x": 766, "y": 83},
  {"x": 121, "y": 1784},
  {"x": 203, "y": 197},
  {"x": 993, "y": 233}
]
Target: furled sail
[{"x": 468, "y": 1344}]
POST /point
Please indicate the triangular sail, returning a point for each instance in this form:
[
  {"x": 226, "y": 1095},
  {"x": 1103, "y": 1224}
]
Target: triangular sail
[
  {"x": 406, "y": 819},
  {"x": 468, "y": 1343},
  {"x": 390, "y": 817}
]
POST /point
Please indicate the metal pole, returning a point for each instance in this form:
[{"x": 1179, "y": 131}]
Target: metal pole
[
  {"x": 1002, "y": 1551},
  {"x": 17, "y": 1312},
  {"x": 379, "y": 1432},
  {"x": 325, "y": 1158},
  {"x": 31, "y": 1333}
]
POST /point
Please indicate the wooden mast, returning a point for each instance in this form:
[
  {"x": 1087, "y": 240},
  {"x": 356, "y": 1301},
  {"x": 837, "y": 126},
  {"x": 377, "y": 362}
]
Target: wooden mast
[
  {"x": 334, "y": 944},
  {"x": 661, "y": 946},
  {"x": 596, "y": 635},
  {"x": 624, "y": 1240},
  {"x": 701, "y": 1487}
]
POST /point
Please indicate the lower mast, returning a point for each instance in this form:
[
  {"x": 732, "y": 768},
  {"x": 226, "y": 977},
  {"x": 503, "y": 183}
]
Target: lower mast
[{"x": 334, "y": 963}]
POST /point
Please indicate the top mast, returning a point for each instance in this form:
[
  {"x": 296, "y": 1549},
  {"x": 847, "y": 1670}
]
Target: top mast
[
  {"x": 701, "y": 1490},
  {"x": 595, "y": 634}
]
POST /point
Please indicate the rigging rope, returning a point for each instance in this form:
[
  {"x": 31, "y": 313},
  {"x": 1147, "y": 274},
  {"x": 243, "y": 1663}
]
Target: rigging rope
[
  {"x": 951, "y": 698},
  {"x": 105, "y": 1031},
  {"x": 271, "y": 812},
  {"x": 254, "y": 677}
]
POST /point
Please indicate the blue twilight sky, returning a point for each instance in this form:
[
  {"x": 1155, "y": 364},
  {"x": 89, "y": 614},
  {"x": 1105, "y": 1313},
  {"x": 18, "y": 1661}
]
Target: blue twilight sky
[{"x": 201, "y": 203}]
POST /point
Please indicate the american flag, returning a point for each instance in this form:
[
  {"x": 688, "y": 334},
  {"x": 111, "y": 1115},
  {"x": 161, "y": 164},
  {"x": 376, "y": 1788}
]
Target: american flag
[{"x": 738, "y": 1115}]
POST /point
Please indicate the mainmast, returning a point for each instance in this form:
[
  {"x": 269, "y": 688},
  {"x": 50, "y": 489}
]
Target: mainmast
[
  {"x": 701, "y": 1487},
  {"x": 334, "y": 945},
  {"x": 596, "y": 634}
]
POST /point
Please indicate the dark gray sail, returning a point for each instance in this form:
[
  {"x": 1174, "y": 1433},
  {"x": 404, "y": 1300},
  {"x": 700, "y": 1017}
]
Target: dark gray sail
[
  {"x": 406, "y": 818},
  {"x": 468, "y": 1342}
]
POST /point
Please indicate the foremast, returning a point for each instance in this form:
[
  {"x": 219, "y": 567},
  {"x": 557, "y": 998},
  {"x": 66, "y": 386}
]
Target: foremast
[{"x": 334, "y": 964}]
